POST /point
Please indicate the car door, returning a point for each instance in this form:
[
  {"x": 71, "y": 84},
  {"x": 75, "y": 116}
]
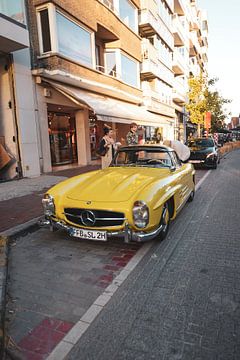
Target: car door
[{"x": 182, "y": 180}]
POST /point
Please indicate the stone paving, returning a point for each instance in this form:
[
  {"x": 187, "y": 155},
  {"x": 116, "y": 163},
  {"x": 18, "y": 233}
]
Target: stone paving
[
  {"x": 183, "y": 299},
  {"x": 53, "y": 280}
]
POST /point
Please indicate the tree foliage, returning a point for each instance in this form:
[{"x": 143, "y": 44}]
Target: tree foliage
[
  {"x": 203, "y": 99},
  {"x": 215, "y": 104},
  {"x": 196, "y": 101}
]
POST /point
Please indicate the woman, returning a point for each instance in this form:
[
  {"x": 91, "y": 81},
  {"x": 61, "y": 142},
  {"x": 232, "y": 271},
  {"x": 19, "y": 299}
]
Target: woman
[{"x": 106, "y": 147}]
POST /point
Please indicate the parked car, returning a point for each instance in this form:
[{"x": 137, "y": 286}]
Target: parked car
[
  {"x": 135, "y": 198},
  {"x": 204, "y": 151}
]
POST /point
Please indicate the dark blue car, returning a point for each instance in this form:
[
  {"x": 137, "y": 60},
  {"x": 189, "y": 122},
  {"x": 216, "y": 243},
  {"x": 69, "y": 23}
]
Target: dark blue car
[{"x": 204, "y": 152}]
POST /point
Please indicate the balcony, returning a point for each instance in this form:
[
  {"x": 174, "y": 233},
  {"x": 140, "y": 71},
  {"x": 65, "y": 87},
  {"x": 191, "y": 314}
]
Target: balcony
[
  {"x": 180, "y": 34},
  {"x": 179, "y": 92},
  {"x": 154, "y": 103},
  {"x": 150, "y": 25},
  {"x": 13, "y": 33},
  {"x": 179, "y": 7},
  {"x": 14, "y": 10},
  {"x": 179, "y": 65},
  {"x": 151, "y": 70},
  {"x": 194, "y": 46}
]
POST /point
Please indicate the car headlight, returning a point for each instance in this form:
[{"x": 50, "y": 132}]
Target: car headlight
[
  {"x": 140, "y": 214},
  {"x": 211, "y": 155},
  {"x": 48, "y": 205}
]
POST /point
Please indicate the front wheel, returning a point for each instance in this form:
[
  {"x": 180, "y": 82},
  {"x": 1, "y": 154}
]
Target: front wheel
[{"x": 164, "y": 222}]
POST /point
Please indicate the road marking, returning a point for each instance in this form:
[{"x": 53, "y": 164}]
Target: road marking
[
  {"x": 73, "y": 336},
  {"x": 202, "y": 179}
]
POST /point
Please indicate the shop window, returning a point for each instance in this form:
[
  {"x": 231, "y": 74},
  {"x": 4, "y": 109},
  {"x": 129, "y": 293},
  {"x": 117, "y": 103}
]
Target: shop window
[{"x": 62, "y": 137}]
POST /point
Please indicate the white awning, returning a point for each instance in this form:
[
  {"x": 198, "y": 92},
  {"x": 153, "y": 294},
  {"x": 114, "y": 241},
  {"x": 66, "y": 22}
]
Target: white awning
[{"x": 112, "y": 110}]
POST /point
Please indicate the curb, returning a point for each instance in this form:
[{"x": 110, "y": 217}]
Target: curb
[
  {"x": 5, "y": 239},
  {"x": 3, "y": 283}
]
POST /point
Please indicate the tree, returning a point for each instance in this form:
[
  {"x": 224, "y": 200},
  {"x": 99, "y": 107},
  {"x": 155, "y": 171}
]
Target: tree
[
  {"x": 215, "y": 104},
  {"x": 202, "y": 99},
  {"x": 196, "y": 100}
]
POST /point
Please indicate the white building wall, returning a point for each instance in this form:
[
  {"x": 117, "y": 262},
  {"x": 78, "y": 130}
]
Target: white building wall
[
  {"x": 7, "y": 129},
  {"x": 24, "y": 97}
]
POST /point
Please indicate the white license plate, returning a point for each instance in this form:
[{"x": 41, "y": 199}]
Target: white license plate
[
  {"x": 89, "y": 234},
  {"x": 195, "y": 161}
]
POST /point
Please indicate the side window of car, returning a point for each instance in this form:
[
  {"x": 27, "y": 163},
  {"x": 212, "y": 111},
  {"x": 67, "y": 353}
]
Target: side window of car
[{"x": 176, "y": 160}]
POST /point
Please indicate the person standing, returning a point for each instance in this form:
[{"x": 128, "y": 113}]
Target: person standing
[
  {"x": 106, "y": 147},
  {"x": 132, "y": 136}
]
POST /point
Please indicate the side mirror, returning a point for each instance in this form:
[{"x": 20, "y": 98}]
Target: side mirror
[{"x": 172, "y": 168}]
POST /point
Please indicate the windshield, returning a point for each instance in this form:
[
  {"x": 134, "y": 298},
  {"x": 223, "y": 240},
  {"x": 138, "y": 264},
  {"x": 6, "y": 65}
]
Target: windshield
[
  {"x": 201, "y": 143},
  {"x": 143, "y": 158}
]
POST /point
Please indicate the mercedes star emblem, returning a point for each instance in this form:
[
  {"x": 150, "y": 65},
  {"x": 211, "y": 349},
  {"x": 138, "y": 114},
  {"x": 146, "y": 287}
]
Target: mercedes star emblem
[{"x": 88, "y": 218}]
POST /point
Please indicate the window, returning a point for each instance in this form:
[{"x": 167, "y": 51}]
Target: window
[
  {"x": 111, "y": 63},
  {"x": 129, "y": 70},
  {"x": 13, "y": 9},
  {"x": 128, "y": 14},
  {"x": 73, "y": 40},
  {"x": 46, "y": 40}
]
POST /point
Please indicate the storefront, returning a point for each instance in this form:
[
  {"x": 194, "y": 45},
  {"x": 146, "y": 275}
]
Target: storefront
[
  {"x": 62, "y": 136},
  {"x": 76, "y": 118}
]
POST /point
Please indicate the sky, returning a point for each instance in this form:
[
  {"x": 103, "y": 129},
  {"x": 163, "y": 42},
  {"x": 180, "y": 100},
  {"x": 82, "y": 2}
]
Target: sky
[{"x": 224, "y": 48}]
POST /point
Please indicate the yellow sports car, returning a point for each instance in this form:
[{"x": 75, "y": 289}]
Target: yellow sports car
[{"x": 135, "y": 198}]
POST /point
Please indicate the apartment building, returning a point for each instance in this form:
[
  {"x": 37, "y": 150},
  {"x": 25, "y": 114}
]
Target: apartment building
[
  {"x": 18, "y": 134},
  {"x": 155, "y": 28},
  {"x": 190, "y": 29},
  {"x": 87, "y": 62}
]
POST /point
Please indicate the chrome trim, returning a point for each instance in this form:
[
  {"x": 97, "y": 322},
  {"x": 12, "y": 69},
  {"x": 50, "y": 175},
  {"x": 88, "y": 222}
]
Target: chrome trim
[
  {"x": 97, "y": 218},
  {"x": 127, "y": 233}
]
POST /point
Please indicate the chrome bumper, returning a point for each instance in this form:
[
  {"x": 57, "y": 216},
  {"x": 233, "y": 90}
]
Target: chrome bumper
[{"x": 127, "y": 233}]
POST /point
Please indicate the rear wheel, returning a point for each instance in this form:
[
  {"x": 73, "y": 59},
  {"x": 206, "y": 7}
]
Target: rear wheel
[
  {"x": 191, "y": 196},
  {"x": 164, "y": 222}
]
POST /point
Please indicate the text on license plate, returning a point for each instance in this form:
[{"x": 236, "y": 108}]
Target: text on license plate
[{"x": 90, "y": 234}]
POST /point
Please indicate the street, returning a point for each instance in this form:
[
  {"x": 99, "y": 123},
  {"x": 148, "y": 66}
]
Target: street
[{"x": 181, "y": 301}]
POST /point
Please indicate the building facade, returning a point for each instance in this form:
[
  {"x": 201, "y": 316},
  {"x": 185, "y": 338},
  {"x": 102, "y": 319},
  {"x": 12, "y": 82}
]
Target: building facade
[
  {"x": 106, "y": 62},
  {"x": 190, "y": 28},
  {"x": 19, "y": 154}
]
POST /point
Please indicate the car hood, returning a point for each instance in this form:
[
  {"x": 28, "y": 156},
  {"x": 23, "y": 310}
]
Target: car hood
[{"x": 114, "y": 184}]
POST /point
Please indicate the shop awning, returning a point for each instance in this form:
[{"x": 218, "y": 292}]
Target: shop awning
[{"x": 112, "y": 110}]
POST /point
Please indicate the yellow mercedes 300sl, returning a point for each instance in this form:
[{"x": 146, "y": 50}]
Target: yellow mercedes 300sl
[{"x": 135, "y": 198}]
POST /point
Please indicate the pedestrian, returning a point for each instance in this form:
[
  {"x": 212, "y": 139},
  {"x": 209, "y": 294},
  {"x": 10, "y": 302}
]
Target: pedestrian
[
  {"x": 106, "y": 147},
  {"x": 158, "y": 139},
  {"x": 132, "y": 136}
]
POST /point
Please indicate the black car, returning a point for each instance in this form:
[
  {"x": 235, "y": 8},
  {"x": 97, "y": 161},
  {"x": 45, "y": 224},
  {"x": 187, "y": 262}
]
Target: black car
[{"x": 204, "y": 151}]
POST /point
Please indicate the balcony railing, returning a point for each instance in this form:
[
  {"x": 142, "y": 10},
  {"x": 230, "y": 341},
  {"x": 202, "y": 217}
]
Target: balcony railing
[
  {"x": 108, "y": 71},
  {"x": 109, "y": 4},
  {"x": 151, "y": 70},
  {"x": 180, "y": 34},
  {"x": 150, "y": 25},
  {"x": 14, "y": 10}
]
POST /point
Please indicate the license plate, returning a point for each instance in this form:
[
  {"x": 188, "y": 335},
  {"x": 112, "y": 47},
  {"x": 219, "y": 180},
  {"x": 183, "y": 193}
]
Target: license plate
[
  {"x": 89, "y": 234},
  {"x": 195, "y": 161}
]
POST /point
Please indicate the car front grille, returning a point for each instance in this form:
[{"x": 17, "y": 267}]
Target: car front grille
[
  {"x": 197, "y": 156},
  {"x": 94, "y": 218}
]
